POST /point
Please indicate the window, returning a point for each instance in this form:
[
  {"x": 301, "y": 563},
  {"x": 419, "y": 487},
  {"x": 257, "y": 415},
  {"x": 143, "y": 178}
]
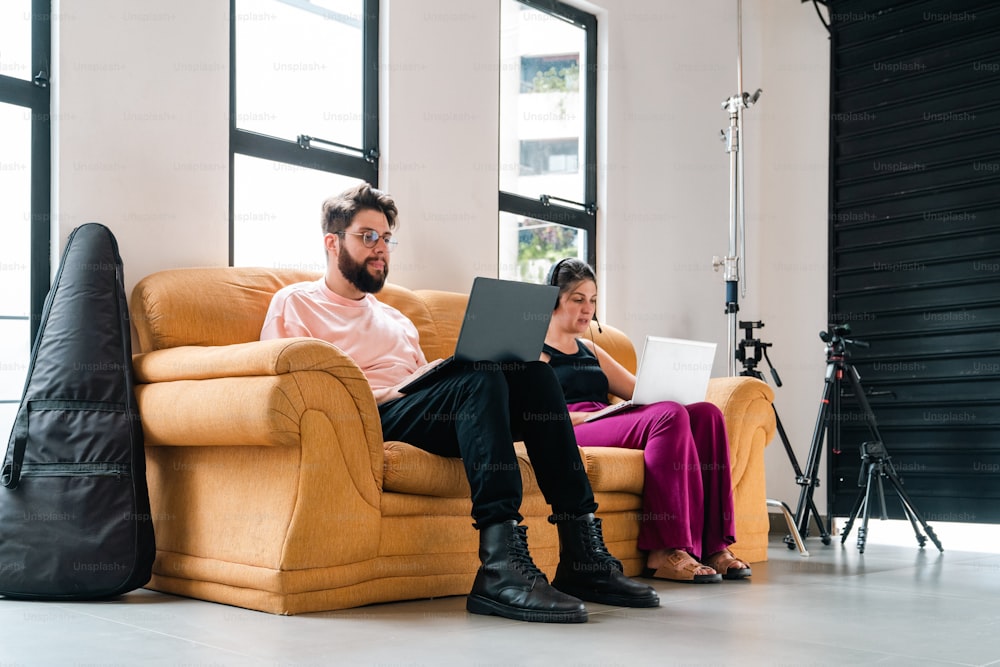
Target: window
[
  {"x": 549, "y": 156},
  {"x": 24, "y": 190},
  {"x": 543, "y": 74},
  {"x": 548, "y": 137},
  {"x": 304, "y": 122}
]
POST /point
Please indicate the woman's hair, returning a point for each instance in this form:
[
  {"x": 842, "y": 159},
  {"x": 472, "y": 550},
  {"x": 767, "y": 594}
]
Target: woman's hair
[
  {"x": 567, "y": 273},
  {"x": 339, "y": 211}
]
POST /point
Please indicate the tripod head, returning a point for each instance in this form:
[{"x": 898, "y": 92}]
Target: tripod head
[
  {"x": 758, "y": 351},
  {"x": 837, "y": 341}
]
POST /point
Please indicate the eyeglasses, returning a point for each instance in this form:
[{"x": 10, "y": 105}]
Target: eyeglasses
[{"x": 370, "y": 239}]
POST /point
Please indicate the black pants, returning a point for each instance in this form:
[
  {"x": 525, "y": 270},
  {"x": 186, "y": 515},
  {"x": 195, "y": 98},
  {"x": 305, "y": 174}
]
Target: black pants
[{"x": 476, "y": 412}]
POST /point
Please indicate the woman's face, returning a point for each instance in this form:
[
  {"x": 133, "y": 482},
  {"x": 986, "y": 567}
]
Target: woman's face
[{"x": 576, "y": 307}]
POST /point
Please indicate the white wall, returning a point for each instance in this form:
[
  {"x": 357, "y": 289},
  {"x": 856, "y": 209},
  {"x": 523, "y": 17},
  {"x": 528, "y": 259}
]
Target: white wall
[
  {"x": 141, "y": 144},
  {"x": 792, "y": 149},
  {"x": 141, "y": 130}
]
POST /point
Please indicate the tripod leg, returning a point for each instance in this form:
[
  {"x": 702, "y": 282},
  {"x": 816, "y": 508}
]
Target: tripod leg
[
  {"x": 881, "y": 492},
  {"x": 863, "y": 530},
  {"x": 809, "y": 481},
  {"x": 855, "y": 512},
  {"x": 912, "y": 512},
  {"x": 861, "y": 501}
]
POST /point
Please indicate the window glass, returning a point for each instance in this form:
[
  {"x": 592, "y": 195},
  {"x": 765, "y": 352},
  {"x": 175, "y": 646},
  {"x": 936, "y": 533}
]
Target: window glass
[
  {"x": 15, "y": 199},
  {"x": 299, "y": 69},
  {"x": 15, "y": 351},
  {"x": 550, "y": 156},
  {"x": 23, "y": 113},
  {"x": 546, "y": 74},
  {"x": 276, "y": 213},
  {"x": 542, "y": 114},
  {"x": 15, "y": 38},
  {"x": 537, "y": 246}
]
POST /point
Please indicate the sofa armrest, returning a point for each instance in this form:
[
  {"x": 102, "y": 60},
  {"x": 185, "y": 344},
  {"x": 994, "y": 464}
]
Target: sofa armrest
[
  {"x": 260, "y": 453},
  {"x": 268, "y": 357},
  {"x": 750, "y": 420},
  {"x": 747, "y": 405},
  {"x": 251, "y": 393}
]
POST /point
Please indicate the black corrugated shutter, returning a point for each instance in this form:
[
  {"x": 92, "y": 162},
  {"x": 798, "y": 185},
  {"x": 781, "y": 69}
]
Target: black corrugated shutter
[{"x": 915, "y": 246}]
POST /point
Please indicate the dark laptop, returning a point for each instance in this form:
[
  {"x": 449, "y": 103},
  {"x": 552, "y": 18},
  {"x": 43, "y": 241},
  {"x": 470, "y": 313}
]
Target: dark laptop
[{"x": 505, "y": 320}]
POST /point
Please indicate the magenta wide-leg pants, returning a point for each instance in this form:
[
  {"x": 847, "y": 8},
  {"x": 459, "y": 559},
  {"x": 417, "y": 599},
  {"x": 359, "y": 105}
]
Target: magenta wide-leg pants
[{"x": 688, "y": 491}]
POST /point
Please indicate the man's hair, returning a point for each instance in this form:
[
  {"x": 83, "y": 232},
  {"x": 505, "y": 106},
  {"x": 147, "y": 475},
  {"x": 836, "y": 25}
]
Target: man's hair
[{"x": 339, "y": 211}]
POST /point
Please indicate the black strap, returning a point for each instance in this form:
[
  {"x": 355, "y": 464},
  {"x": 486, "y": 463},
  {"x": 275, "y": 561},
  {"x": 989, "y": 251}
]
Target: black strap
[{"x": 11, "y": 475}]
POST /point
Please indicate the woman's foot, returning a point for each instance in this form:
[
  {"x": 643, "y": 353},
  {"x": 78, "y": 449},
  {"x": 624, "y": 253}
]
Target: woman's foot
[
  {"x": 678, "y": 565},
  {"x": 728, "y": 565}
]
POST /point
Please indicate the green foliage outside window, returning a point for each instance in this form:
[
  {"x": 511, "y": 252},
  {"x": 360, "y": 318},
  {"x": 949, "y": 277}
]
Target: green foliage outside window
[{"x": 553, "y": 80}]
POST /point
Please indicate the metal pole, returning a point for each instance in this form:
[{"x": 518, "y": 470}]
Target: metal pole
[{"x": 730, "y": 264}]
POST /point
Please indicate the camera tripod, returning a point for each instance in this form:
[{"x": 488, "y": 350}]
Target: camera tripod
[{"x": 876, "y": 462}]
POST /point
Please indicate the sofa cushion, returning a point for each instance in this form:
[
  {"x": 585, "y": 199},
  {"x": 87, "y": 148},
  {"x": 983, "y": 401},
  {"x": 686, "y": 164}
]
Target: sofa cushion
[
  {"x": 614, "y": 469},
  {"x": 409, "y": 469},
  {"x": 180, "y": 307}
]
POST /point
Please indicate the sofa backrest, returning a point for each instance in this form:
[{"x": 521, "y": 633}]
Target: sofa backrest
[
  {"x": 226, "y": 305},
  {"x": 205, "y": 306}
]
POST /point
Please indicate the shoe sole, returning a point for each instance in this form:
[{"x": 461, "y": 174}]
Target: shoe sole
[
  {"x": 480, "y": 605},
  {"x": 716, "y": 578},
  {"x": 646, "y": 602}
]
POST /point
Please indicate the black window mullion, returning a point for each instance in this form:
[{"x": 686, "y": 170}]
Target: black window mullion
[
  {"x": 590, "y": 129},
  {"x": 562, "y": 215},
  {"x": 41, "y": 177},
  {"x": 22, "y": 93},
  {"x": 289, "y": 152},
  {"x": 370, "y": 83}
]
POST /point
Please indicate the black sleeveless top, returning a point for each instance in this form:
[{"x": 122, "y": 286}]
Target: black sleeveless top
[{"x": 580, "y": 374}]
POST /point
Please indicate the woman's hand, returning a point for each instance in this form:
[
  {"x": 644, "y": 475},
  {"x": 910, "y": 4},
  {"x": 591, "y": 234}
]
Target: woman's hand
[{"x": 577, "y": 418}]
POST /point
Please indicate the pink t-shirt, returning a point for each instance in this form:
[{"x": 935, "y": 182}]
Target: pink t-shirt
[{"x": 382, "y": 341}]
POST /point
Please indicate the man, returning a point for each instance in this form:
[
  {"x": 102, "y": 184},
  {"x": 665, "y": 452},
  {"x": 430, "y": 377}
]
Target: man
[{"x": 475, "y": 413}]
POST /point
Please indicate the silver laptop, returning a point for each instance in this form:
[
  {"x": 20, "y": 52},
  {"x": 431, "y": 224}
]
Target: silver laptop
[
  {"x": 505, "y": 320},
  {"x": 670, "y": 369}
]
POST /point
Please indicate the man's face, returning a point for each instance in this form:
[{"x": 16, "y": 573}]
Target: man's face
[{"x": 365, "y": 268}]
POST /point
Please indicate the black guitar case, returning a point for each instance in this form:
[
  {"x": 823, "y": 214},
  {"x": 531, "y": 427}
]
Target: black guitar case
[{"x": 75, "y": 522}]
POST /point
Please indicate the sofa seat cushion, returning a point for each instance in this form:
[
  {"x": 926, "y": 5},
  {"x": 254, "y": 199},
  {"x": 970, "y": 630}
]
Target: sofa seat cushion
[
  {"x": 409, "y": 469},
  {"x": 614, "y": 469}
]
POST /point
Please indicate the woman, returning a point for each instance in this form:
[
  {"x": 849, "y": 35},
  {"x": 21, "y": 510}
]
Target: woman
[{"x": 687, "y": 495}]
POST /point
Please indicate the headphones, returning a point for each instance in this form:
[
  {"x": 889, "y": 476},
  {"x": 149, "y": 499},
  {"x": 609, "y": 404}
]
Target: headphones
[{"x": 553, "y": 279}]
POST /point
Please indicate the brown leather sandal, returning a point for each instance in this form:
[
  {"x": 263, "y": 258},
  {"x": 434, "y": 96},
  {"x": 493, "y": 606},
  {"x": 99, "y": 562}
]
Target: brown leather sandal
[
  {"x": 728, "y": 565},
  {"x": 681, "y": 566}
]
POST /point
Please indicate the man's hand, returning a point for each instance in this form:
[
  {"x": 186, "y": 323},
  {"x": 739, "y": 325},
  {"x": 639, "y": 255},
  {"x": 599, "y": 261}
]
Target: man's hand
[{"x": 392, "y": 393}]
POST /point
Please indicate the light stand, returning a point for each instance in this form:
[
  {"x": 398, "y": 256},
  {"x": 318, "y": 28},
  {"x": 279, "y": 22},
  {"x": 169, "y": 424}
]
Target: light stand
[
  {"x": 730, "y": 264},
  {"x": 751, "y": 351}
]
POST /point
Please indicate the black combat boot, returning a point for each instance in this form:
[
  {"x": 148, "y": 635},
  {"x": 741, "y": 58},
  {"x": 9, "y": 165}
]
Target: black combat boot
[
  {"x": 587, "y": 569},
  {"x": 509, "y": 584}
]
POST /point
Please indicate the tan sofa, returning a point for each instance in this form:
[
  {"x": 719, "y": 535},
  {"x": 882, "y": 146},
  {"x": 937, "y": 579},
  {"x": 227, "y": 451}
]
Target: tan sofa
[{"x": 271, "y": 487}]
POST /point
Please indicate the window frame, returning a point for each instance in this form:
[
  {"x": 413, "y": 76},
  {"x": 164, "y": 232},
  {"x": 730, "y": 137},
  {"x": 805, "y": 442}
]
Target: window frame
[
  {"x": 361, "y": 162},
  {"x": 34, "y": 95},
  {"x": 580, "y": 215}
]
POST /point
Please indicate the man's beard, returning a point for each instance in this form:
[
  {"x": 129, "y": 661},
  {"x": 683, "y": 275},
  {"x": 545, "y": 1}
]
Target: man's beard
[{"x": 358, "y": 275}]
